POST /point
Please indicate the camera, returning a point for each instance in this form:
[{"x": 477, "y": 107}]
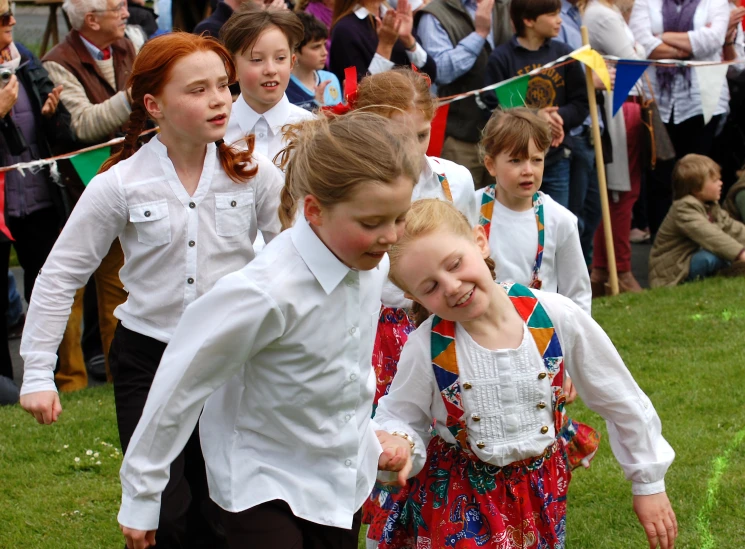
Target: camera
[{"x": 5, "y": 75}]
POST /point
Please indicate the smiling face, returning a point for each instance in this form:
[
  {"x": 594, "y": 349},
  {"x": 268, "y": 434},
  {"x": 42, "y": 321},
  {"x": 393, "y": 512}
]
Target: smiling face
[
  {"x": 546, "y": 25},
  {"x": 264, "y": 70},
  {"x": 360, "y": 230},
  {"x": 518, "y": 178},
  {"x": 445, "y": 272},
  {"x": 194, "y": 105}
]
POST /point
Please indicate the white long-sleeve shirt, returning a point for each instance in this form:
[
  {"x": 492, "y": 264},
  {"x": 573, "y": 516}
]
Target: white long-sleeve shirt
[
  {"x": 513, "y": 241},
  {"x": 707, "y": 39},
  {"x": 506, "y": 392},
  {"x": 175, "y": 246},
  {"x": 267, "y": 127},
  {"x": 286, "y": 343}
]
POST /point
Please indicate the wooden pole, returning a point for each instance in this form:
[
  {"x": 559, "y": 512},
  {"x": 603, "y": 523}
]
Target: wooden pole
[{"x": 602, "y": 183}]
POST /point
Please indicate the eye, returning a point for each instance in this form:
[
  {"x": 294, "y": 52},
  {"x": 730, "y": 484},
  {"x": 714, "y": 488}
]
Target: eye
[
  {"x": 281, "y": 58},
  {"x": 454, "y": 265},
  {"x": 256, "y": 60},
  {"x": 369, "y": 225},
  {"x": 514, "y": 160},
  {"x": 422, "y": 136},
  {"x": 431, "y": 288},
  {"x": 197, "y": 90},
  {"x": 223, "y": 85}
]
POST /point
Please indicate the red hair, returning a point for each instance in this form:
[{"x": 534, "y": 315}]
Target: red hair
[{"x": 152, "y": 71}]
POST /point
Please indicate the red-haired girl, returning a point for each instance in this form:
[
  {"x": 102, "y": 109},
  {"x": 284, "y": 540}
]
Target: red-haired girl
[{"x": 186, "y": 208}]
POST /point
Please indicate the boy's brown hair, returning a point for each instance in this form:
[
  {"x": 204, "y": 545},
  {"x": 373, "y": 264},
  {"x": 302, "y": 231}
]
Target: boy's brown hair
[
  {"x": 245, "y": 26},
  {"x": 512, "y": 130},
  {"x": 530, "y": 9},
  {"x": 691, "y": 172}
]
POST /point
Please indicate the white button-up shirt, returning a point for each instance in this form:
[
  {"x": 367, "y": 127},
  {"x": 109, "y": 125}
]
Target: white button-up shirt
[
  {"x": 710, "y": 22},
  {"x": 266, "y": 127},
  {"x": 175, "y": 246},
  {"x": 506, "y": 390},
  {"x": 286, "y": 343}
]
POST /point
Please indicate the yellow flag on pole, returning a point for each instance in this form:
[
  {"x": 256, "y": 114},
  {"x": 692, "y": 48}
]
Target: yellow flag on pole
[{"x": 595, "y": 61}]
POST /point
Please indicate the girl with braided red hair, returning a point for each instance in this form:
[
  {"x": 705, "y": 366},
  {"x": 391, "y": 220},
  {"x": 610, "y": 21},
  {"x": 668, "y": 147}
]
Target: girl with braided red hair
[{"x": 186, "y": 209}]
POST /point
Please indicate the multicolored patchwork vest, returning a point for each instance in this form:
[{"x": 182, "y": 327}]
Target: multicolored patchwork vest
[
  {"x": 581, "y": 440},
  {"x": 487, "y": 210}
]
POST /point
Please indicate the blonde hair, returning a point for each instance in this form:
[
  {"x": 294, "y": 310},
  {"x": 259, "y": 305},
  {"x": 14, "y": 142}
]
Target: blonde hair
[
  {"x": 690, "y": 174},
  {"x": 512, "y": 130},
  {"x": 329, "y": 156},
  {"x": 389, "y": 92}
]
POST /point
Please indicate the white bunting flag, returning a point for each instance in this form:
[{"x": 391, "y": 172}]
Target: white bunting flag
[{"x": 710, "y": 82}]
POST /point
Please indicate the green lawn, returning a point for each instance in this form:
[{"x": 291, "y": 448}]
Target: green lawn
[{"x": 684, "y": 346}]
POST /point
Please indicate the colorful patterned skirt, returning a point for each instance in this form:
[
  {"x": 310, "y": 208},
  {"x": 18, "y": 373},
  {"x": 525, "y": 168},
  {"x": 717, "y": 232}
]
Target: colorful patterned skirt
[{"x": 461, "y": 502}]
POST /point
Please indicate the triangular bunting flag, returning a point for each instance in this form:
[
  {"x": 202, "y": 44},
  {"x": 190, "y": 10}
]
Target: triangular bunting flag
[
  {"x": 3, "y": 227},
  {"x": 437, "y": 133},
  {"x": 88, "y": 163},
  {"x": 627, "y": 74},
  {"x": 513, "y": 93},
  {"x": 710, "y": 82},
  {"x": 595, "y": 61}
]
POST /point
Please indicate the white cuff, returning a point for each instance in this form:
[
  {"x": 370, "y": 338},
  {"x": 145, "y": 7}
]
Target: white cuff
[
  {"x": 418, "y": 57},
  {"x": 380, "y": 64},
  {"x": 39, "y": 377},
  {"x": 139, "y": 514},
  {"x": 647, "y": 488}
]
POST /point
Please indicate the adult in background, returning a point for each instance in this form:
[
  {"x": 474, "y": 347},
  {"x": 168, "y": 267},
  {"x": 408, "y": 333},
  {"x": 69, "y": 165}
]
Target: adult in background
[
  {"x": 92, "y": 64},
  {"x": 459, "y": 35},
  {"x": 140, "y": 14},
  {"x": 680, "y": 29},
  {"x": 30, "y": 117}
]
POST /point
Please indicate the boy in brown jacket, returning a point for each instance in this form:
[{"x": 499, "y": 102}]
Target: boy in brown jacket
[{"x": 697, "y": 238}]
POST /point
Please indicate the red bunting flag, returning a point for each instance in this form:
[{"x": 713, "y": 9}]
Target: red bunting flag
[
  {"x": 437, "y": 134},
  {"x": 3, "y": 227}
]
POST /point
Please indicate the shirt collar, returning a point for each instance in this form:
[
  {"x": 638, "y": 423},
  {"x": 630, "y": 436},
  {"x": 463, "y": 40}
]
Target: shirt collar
[
  {"x": 93, "y": 50},
  {"x": 276, "y": 117},
  {"x": 324, "y": 265},
  {"x": 516, "y": 44},
  {"x": 361, "y": 12}
]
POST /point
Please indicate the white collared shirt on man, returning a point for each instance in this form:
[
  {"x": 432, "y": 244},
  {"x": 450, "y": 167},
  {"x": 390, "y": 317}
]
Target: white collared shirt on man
[
  {"x": 175, "y": 246},
  {"x": 286, "y": 343}
]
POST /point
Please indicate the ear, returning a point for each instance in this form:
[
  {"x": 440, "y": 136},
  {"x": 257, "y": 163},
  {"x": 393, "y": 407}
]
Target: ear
[
  {"x": 91, "y": 21},
  {"x": 407, "y": 295},
  {"x": 479, "y": 235},
  {"x": 529, "y": 23},
  {"x": 152, "y": 106},
  {"x": 293, "y": 60},
  {"x": 312, "y": 210},
  {"x": 490, "y": 165}
]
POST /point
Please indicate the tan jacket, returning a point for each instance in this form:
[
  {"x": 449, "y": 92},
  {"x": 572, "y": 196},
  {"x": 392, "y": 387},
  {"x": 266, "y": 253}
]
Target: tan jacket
[
  {"x": 689, "y": 226},
  {"x": 729, "y": 202}
]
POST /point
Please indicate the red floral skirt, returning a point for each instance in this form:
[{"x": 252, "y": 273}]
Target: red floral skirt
[
  {"x": 394, "y": 328},
  {"x": 461, "y": 502}
]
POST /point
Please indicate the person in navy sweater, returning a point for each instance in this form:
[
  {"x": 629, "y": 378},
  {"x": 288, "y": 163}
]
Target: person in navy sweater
[{"x": 373, "y": 39}]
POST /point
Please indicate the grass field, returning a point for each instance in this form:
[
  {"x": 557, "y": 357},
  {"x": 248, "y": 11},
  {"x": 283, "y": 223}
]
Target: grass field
[{"x": 683, "y": 345}]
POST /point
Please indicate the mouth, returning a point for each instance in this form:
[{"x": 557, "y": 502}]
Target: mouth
[
  {"x": 526, "y": 185},
  {"x": 466, "y": 299},
  {"x": 376, "y": 255},
  {"x": 220, "y": 119},
  {"x": 270, "y": 85}
]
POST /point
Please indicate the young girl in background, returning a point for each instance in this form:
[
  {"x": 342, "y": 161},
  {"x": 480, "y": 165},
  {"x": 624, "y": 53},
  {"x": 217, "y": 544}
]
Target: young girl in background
[
  {"x": 488, "y": 367},
  {"x": 285, "y": 345},
  {"x": 186, "y": 208},
  {"x": 533, "y": 239}
]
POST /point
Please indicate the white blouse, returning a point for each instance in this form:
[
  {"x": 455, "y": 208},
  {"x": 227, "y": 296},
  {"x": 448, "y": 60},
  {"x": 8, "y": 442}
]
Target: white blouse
[
  {"x": 513, "y": 241},
  {"x": 461, "y": 185},
  {"x": 503, "y": 405},
  {"x": 175, "y": 246},
  {"x": 267, "y": 127},
  {"x": 284, "y": 347}
]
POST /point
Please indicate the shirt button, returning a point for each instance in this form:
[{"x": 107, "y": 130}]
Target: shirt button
[
  {"x": 466, "y": 385},
  {"x": 541, "y": 405},
  {"x": 475, "y": 417},
  {"x": 191, "y": 243},
  {"x": 544, "y": 430},
  {"x": 542, "y": 375},
  {"x": 190, "y": 280},
  {"x": 147, "y": 213},
  {"x": 353, "y": 377},
  {"x": 353, "y": 330},
  {"x": 347, "y": 417},
  {"x": 192, "y": 205},
  {"x": 233, "y": 203},
  {"x": 481, "y": 444},
  {"x": 348, "y": 463}
]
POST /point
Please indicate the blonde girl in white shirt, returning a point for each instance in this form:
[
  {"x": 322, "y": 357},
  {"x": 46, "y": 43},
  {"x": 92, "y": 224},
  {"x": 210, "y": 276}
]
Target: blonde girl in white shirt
[
  {"x": 283, "y": 347},
  {"x": 487, "y": 367},
  {"x": 186, "y": 208},
  {"x": 533, "y": 240}
]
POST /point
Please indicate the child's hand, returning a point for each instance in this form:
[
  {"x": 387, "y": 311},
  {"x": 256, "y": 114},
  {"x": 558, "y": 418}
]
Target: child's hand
[
  {"x": 138, "y": 539},
  {"x": 396, "y": 455},
  {"x": 555, "y": 122},
  {"x": 320, "y": 91},
  {"x": 569, "y": 391},
  {"x": 657, "y": 517},
  {"x": 44, "y": 406}
]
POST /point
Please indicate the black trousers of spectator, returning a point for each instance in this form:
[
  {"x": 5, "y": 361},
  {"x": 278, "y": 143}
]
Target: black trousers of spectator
[
  {"x": 690, "y": 136},
  {"x": 187, "y": 515},
  {"x": 35, "y": 235},
  {"x": 272, "y": 524}
]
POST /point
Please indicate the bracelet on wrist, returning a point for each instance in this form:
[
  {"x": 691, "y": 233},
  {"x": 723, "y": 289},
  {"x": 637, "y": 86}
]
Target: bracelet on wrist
[
  {"x": 729, "y": 44},
  {"x": 404, "y": 436},
  {"x": 411, "y": 49}
]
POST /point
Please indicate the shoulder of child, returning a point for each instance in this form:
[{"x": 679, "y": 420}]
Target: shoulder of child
[
  {"x": 298, "y": 114},
  {"x": 456, "y": 173},
  {"x": 558, "y": 214}
]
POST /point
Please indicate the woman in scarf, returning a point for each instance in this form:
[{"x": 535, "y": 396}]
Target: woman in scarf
[{"x": 681, "y": 29}]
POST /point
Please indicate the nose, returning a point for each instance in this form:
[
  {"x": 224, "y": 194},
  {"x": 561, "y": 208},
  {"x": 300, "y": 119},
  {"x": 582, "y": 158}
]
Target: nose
[
  {"x": 125, "y": 13},
  {"x": 450, "y": 285},
  {"x": 389, "y": 236},
  {"x": 527, "y": 168},
  {"x": 270, "y": 67}
]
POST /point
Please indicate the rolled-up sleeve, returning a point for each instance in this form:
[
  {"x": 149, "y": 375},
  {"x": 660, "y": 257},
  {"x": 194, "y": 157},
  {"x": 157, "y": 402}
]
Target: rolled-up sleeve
[{"x": 709, "y": 40}]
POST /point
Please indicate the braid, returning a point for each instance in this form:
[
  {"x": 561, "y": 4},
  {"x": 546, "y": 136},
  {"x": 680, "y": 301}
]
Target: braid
[
  {"x": 237, "y": 163},
  {"x": 287, "y": 206},
  {"x": 133, "y": 128},
  {"x": 492, "y": 267}
]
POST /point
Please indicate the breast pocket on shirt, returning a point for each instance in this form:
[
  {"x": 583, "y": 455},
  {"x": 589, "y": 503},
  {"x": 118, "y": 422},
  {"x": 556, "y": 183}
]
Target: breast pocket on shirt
[
  {"x": 152, "y": 222},
  {"x": 233, "y": 212}
]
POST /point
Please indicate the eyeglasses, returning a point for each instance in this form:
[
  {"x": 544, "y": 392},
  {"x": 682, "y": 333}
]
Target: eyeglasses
[
  {"x": 119, "y": 7},
  {"x": 5, "y": 18}
]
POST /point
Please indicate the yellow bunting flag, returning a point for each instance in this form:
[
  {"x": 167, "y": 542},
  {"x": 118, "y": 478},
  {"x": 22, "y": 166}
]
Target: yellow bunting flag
[{"x": 595, "y": 61}]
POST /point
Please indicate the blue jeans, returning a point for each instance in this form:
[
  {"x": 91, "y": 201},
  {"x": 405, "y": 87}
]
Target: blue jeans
[
  {"x": 556, "y": 181},
  {"x": 15, "y": 307},
  {"x": 704, "y": 264},
  {"x": 584, "y": 195}
]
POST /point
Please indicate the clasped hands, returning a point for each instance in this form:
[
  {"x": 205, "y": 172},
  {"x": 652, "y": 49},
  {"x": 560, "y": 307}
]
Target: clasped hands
[{"x": 396, "y": 456}]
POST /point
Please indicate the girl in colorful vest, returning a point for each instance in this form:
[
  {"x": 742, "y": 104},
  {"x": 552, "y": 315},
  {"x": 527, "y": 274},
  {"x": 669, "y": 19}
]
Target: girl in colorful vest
[
  {"x": 533, "y": 240},
  {"x": 185, "y": 208},
  {"x": 282, "y": 349},
  {"x": 488, "y": 367}
]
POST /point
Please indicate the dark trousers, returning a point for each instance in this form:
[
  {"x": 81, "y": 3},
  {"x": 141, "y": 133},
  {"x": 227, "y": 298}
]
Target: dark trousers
[
  {"x": 272, "y": 525},
  {"x": 35, "y": 235},
  {"x": 186, "y": 513},
  {"x": 690, "y": 136}
]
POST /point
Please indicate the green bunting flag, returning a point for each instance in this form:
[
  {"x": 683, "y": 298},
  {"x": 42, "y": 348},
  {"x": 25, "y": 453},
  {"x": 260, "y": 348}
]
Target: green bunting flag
[
  {"x": 88, "y": 163},
  {"x": 513, "y": 93}
]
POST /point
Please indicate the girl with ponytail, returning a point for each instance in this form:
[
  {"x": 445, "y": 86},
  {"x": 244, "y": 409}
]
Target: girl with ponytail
[
  {"x": 283, "y": 347},
  {"x": 186, "y": 209}
]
